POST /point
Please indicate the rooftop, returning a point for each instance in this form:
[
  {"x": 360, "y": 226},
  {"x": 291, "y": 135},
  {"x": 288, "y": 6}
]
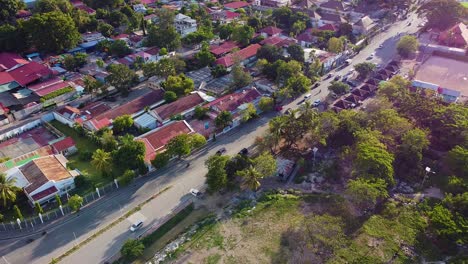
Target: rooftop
[
  {"x": 29, "y": 73},
  {"x": 177, "y": 107},
  {"x": 44, "y": 169},
  {"x": 63, "y": 144},
  {"x": 129, "y": 108},
  {"x": 236, "y": 5},
  {"x": 225, "y": 47},
  {"x": 271, "y": 30},
  {"x": 232, "y": 101},
  {"x": 9, "y": 60},
  {"x": 446, "y": 73},
  {"x": 243, "y": 54},
  {"x": 156, "y": 140}
]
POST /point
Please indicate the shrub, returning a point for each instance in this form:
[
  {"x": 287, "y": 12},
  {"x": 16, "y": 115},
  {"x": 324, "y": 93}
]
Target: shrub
[
  {"x": 80, "y": 181},
  {"x": 56, "y": 93},
  {"x": 127, "y": 177}
]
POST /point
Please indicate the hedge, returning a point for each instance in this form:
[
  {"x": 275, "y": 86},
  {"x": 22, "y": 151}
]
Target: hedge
[{"x": 57, "y": 93}]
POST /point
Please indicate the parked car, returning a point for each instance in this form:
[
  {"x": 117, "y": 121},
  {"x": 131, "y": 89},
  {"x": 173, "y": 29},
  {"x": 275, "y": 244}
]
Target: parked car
[
  {"x": 317, "y": 84},
  {"x": 380, "y": 46},
  {"x": 307, "y": 96},
  {"x": 316, "y": 103},
  {"x": 351, "y": 83},
  {"x": 136, "y": 226},
  {"x": 244, "y": 152},
  {"x": 221, "y": 151},
  {"x": 329, "y": 75},
  {"x": 337, "y": 78},
  {"x": 195, "y": 192}
]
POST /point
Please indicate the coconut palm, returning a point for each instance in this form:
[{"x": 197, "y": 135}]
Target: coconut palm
[
  {"x": 251, "y": 178},
  {"x": 276, "y": 128},
  {"x": 7, "y": 189},
  {"x": 101, "y": 160}
]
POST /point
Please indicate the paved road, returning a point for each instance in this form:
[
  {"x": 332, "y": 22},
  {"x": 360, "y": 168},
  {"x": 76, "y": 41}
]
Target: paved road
[{"x": 62, "y": 237}]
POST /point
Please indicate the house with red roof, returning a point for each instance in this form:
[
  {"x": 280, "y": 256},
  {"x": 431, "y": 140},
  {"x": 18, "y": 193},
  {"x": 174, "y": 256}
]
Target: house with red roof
[
  {"x": 184, "y": 106},
  {"x": 306, "y": 38},
  {"x": 224, "y": 16},
  {"x": 329, "y": 27},
  {"x": 278, "y": 41},
  {"x": 134, "y": 108},
  {"x": 29, "y": 73},
  {"x": 156, "y": 140},
  {"x": 70, "y": 115},
  {"x": 65, "y": 146},
  {"x": 234, "y": 103},
  {"x": 43, "y": 178},
  {"x": 246, "y": 55},
  {"x": 46, "y": 87},
  {"x": 224, "y": 48},
  {"x": 10, "y": 61},
  {"x": 270, "y": 31},
  {"x": 456, "y": 36},
  {"x": 7, "y": 82},
  {"x": 236, "y": 5}
]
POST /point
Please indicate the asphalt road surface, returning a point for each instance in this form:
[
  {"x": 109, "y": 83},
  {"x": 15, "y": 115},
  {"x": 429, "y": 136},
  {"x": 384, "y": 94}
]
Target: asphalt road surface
[{"x": 65, "y": 235}]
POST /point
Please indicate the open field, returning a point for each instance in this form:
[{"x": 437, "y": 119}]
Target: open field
[
  {"x": 465, "y": 4},
  {"x": 308, "y": 229}
]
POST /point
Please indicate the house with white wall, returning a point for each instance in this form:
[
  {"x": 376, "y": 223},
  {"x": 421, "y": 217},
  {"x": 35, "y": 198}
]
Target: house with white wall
[{"x": 185, "y": 24}]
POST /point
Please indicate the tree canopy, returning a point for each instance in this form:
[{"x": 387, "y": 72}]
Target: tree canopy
[
  {"x": 216, "y": 177},
  {"x": 407, "y": 45},
  {"x": 122, "y": 78},
  {"x": 179, "y": 84},
  {"x": 442, "y": 13}
]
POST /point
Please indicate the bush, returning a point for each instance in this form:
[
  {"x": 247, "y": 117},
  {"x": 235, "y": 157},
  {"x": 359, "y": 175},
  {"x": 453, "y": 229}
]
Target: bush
[
  {"x": 56, "y": 93},
  {"x": 132, "y": 249},
  {"x": 170, "y": 96},
  {"x": 80, "y": 181},
  {"x": 85, "y": 155},
  {"x": 127, "y": 177}
]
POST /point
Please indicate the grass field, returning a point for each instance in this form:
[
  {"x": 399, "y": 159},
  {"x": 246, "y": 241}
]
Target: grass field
[
  {"x": 465, "y": 4},
  {"x": 83, "y": 144},
  {"x": 308, "y": 229}
]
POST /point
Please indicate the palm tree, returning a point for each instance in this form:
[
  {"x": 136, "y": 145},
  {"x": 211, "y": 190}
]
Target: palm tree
[
  {"x": 101, "y": 160},
  {"x": 276, "y": 127},
  {"x": 8, "y": 189},
  {"x": 251, "y": 178}
]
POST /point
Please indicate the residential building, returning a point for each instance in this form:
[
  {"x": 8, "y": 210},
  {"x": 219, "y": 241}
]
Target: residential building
[
  {"x": 134, "y": 108},
  {"x": 364, "y": 26},
  {"x": 10, "y": 61},
  {"x": 334, "y": 7},
  {"x": 224, "y": 16},
  {"x": 64, "y": 146},
  {"x": 223, "y": 49},
  {"x": 185, "y": 24},
  {"x": 327, "y": 59},
  {"x": 139, "y": 8},
  {"x": 184, "y": 106},
  {"x": 42, "y": 178},
  {"x": 236, "y": 5},
  {"x": 331, "y": 18},
  {"x": 246, "y": 55},
  {"x": 270, "y": 31},
  {"x": 234, "y": 103},
  {"x": 155, "y": 141},
  {"x": 456, "y": 36},
  {"x": 46, "y": 87},
  {"x": 69, "y": 115},
  {"x": 29, "y": 73},
  {"x": 272, "y": 3}
]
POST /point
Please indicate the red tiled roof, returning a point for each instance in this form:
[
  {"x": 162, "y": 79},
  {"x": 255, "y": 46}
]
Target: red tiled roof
[
  {"x": 47, "y": 87},
  {"x": 243, "y": 54},
  {"x": 29, "y": 73},
  {"x": 271, "y": 30},
  {"x": 129, "y": 108},
  {"x": 153, "y": 51},
  {"x": 38, "y": 196},
  {"x": 456, "y": 36},
  {"x": 120, "y": 36},
  {"x": 179, "y": 106},
  {"x": 277, "y": 41},
  {"x": 63, "y": 144},
  {"x": 225, "y": 47},
  {"x": 231, "y": 15},
  {"x": 306, "y": 36},
  {"x": 8, "y": 60},
  {"x": 236, "y": 5},
  {"x": 157, "y": 140},
  {"x": 23, "y": 14},
  {"x": 146, "y": 2},
  {"x": 5, "y": 77},
  {"x": 231, "y": 102}
]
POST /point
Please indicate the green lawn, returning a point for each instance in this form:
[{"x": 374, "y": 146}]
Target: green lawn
[
  {"x": 83, "y": 144},
  {"x": 465, "y": 4}
]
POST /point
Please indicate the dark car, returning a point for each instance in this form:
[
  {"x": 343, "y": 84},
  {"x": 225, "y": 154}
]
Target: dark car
[
  {"x": 244, "y": 152},
  {"x": 317, "y": 84},
  {"x": 329, "y": 75},
  {"x": 221, "y": 151},
  {"x": 338, "y": 77}
]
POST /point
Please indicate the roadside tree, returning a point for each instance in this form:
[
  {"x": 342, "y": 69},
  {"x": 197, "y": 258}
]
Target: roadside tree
[
  {"x": 132, "y": 249},
  {"x": 223, "y": 119},
  {"x": 216, "y": 177},
  {"x": 335, "y": 45},
  {"x": 250, "y": 112},
  {"x": 8, "y": 189},
  {"x": 266, "y": 104},
  {"x": 442, "y": 13},
  {"x": 339, "y": 87},
  {"x": 161, "y": 160},
  {"x": 407, "y": 45},
  {"x": 75, "y": 202},
  {"x": 364, "y": 69}
]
